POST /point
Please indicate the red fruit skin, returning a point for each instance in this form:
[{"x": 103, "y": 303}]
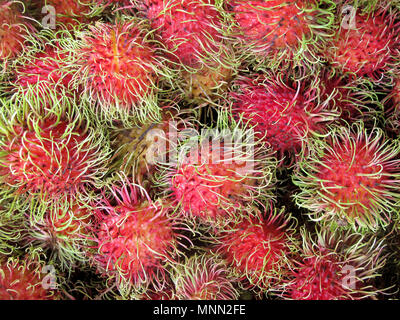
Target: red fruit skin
[
  {"x": 188, "y": 28},
  {"x": 52, "y": 160},
  {"x": 70, "y": 12},
  {"x": 203, "y": 277},
  {"x": 12, "y": 31},
  {"x": 350, "y": 178},
  {"x": 319, "y": 279},
  {"x": 271, "y": 25},
  {"x": 257, "y": 249},
  {"x": 280, "y": 113},
  {"x": 117, "y": 65},
  {"x": 20, "y": 282},
  {"x": 47, "y": 71},
  {"x": 370, "y": 48},
  {"x": 347, "y": 177},
  {"x": 135, "y": 238},
  {"x": 208, "y": 191}
]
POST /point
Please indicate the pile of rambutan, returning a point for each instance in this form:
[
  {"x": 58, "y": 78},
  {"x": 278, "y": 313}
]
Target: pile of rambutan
[{"x": 199, "y": 150}]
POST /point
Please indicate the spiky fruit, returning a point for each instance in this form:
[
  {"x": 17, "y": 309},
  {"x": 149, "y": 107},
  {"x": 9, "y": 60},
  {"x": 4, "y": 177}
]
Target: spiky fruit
[
  {"x": 118, "y": 70},
  {"x": 192, "y": 32},
  {"x": 351, "y": 100},
  {"x": 135, "y": 237},
  {"x": 203, "y": 276},
  {"x": 13, "y": 31},
  {"x": 369, "y": 47},
  {"x": 11, "y": 223},
  {"x": 70, "y": 13},
  {"x": 282, "y": 114},
  {"x": 259, "y": 249},
  {"x": 45, "y": 77},
  {"x": 64, "y": 231},
  {"x": 350, "y": 177},
  {"x": 336, "y": 266},
  {"x": 280, "y": 31},
  {"x": 189, "y": 28},
  {"x": 51, "y": 157},
  {"x": 22, "y": 280},
  {"x": 211, "y": 181}
]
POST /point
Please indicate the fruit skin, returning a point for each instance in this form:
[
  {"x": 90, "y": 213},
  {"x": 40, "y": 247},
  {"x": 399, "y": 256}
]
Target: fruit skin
[
  {"x": 135, "y": 238},
  {"x": 13, "y": 32},
  {"x": 22, "y": 280},
  {"x": 259, "y": 248},
  {"x": 193, "y": 34},
  {"x": 70, "y": 13},
  {"x": 350, "y": 178},
  {"x": 210, "y": 182},
  {"x": 203, "y": 276},
  {"x": 352, "y": 100},
  {"x": 281, "y": 33},
  {"x": 118, "y": 69},
  {"x": 44, "y": 77},
  {"x": 336, "y": 266},
  {"x": 189, "y": 28},
  {"x": 51, "y": 158},
  {"x": 370, "y": 49},
  {"x": 64, "y": 231},
  {"x": 283, "y": 113}
]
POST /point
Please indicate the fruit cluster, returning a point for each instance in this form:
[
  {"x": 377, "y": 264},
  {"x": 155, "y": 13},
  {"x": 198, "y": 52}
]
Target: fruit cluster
[{"x": 199, "y": 149}]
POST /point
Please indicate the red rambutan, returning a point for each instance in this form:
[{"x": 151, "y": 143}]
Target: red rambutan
[
  {"x": 13, "y": 30},
  {"x": 259, "y": 249},
  {"x": 336, "y": 266},
  {"x": 350, "y": 177},
  {"x": 203, "y": 276},
  {"x": 352, "y": 100},
  {"x": 22, "y": 280},
  {"x": 118, "y": 70},
  {"x": 64, "y": 230},
  {"x": 192, "y": 32},
  {"x": 189, "y": 28},
  {"x": 370, "y": 47},
  {"x": 135, "y": 237},
  {"x": 51, "y": 157},
  {"x": 282, "y": 115},
  {"x": 70, "y": 13},
  {"x": 280, "y": 31},
  {"x": 210, "y": 181},
  {"x": 45, "y": 77}
]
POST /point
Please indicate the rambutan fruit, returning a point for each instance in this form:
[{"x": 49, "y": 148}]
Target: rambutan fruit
[
  {"x": 209, "y": 182},
  {"x": 336, "y": 266},
  {"x": 203, "y": 276},
  {"x": 193, "y": 33},
  {"x": 44, "y": 77},
  {"x": 119, "y": 71},
  {"x": 64, "y": 231},
  {"x": 22, "y": 279},
  {"x": 280, "y": 32},
  {"x": 350, "y": 177},
  {"x": 70, "y": 13},
  {"x": 282, "y": 113},
  {"x": 259, "y": 248},
  {"x": 11, "y": 222},
  {"x": 51, "y": 157},
  {"x": 350, "y": 98},
  {"x": 370, "y": 47},
  {"x": 135, "y": 237},
  {"x": 13, "y": 31}
]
